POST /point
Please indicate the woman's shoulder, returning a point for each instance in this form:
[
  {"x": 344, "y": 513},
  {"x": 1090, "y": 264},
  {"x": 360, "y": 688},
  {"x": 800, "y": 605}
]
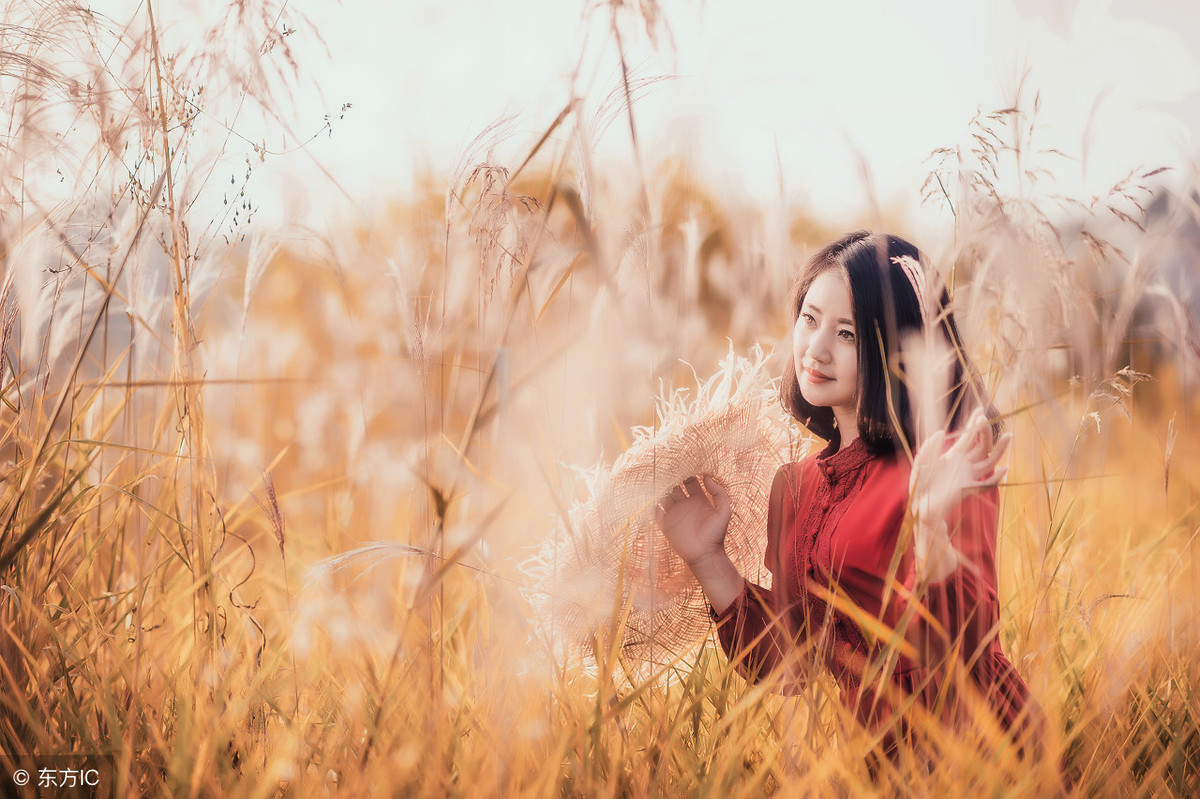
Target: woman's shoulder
[
  {"x": 896, "y": 464},
  {"x": 791, "y": 472},
  {"x": 887, "y": 474},
  {"x": 808, "y": 461}
]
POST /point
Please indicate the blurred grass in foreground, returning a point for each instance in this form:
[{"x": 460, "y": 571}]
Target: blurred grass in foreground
[{"x": 190, "y": 431}]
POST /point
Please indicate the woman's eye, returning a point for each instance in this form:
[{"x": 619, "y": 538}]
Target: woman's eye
[
  {"x": 846, "y": 335},
  {"x": 808, "y": 320}
]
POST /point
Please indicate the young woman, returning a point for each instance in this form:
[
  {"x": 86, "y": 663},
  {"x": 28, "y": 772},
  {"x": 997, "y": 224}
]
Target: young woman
[{"x": 883, "y": 567}]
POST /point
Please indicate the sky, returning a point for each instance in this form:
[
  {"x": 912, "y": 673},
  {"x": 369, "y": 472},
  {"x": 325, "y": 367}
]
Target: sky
[{"x": 762, "y": 98}]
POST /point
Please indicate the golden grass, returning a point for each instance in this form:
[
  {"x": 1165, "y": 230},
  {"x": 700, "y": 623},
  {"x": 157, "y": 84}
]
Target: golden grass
[{"x": 177, "y": 478}]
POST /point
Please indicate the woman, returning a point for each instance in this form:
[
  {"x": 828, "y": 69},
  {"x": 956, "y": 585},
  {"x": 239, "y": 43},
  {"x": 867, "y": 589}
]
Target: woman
[{"x": 883, "y": 568}]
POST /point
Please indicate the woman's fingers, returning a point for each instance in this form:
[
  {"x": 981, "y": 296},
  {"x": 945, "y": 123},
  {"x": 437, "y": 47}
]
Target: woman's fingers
[
  {"x": 978, "y": 434},
  {"x": 989, "y": 480},
  {"x": 977, "y": 440},
  {"x": 997, "y": 452},
  {"x": 705, "y": 486},
  {"x": 691, "y": 488},
  {"x": 987, "y": 462},
  {"x": 714, "y": 488},
  {"x": 934, "y": 446},
  {"x": 716, "y": 492},
  {"x": 971, "y": 440}
]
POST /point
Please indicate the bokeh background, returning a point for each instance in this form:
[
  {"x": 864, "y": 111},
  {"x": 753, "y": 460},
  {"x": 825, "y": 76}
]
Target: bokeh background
[{"x": 323, "y": 322}]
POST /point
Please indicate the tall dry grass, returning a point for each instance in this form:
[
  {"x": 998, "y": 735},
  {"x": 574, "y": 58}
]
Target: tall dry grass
[{"x": 269, "y": 509}]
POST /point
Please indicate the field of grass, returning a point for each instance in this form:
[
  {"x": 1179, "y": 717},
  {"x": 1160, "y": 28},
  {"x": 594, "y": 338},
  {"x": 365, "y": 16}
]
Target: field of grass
[{"x": 270, "y": 500}]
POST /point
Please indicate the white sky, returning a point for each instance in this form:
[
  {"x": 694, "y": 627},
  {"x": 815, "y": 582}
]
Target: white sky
[{"x": 817, "y": 81}]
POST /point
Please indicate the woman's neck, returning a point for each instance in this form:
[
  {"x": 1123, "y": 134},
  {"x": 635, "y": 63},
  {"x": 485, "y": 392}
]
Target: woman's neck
[
  {"x": 847, "y": 425},
  {"x": 845, "y": 442}
]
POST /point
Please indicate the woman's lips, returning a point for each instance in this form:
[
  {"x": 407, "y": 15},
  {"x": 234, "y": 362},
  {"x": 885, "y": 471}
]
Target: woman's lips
[{"x": 817, "y": 377}]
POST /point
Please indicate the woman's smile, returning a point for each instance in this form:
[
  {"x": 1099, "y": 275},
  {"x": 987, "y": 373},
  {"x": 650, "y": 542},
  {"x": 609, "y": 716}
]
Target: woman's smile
[
  {"x": 815, "y": 376},
  {"x": 825, "y": 350}
]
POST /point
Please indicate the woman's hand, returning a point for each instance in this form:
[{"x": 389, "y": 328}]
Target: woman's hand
[
  {"x": 942, "y": 477},
  {"x": 695, "y": 518}
]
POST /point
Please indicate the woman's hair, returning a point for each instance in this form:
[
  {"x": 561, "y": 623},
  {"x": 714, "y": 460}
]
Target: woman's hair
[{"x": 886, "y": 308}]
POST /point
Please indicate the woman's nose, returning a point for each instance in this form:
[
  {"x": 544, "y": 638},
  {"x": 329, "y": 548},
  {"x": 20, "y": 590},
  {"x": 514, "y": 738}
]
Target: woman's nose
[{"x": 818, "y": 346}]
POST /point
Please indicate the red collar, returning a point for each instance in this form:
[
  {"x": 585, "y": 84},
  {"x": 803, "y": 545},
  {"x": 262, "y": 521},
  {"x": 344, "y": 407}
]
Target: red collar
[{"x": 848, "y": 459}]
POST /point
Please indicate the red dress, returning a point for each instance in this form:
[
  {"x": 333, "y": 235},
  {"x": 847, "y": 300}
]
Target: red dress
[{"x": 844, "y": 596}]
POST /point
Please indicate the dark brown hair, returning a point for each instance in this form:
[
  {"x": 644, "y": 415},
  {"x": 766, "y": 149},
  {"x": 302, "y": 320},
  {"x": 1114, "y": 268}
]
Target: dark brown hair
[{"x": 886, "y": 307}]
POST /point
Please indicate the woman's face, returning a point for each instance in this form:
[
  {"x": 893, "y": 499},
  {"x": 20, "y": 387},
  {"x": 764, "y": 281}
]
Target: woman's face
[{"x": 825, "y": 347}]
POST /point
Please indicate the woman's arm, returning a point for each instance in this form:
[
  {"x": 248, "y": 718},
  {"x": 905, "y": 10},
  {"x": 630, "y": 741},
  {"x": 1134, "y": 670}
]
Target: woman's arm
[
  {"x": 955, "y": 502},
  {"x": 961, "y": 607},
  {"x": 944, "y": 476},
  {"x": 695, "y": 518},
  {"x": 750, "y": 620},
  {"x": 720, "y": 579}
]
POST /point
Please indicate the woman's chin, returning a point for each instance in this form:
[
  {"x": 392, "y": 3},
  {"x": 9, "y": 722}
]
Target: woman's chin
[{"x": 814, "y": 396}]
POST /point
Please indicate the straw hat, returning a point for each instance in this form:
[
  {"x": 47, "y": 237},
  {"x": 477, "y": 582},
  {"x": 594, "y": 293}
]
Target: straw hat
[{"x": 610, "y": 562}]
